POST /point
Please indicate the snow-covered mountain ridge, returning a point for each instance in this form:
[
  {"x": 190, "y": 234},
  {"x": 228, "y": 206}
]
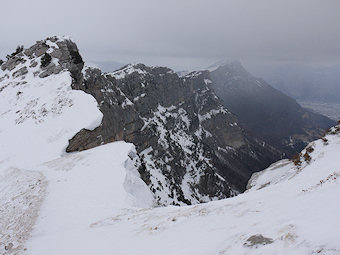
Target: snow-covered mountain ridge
[
  {"x": 96, "y": 202},
  {"x": 39, "y": 183},
  {"x": 39, "y": 107},
  {"x": 189, "y": 147}
]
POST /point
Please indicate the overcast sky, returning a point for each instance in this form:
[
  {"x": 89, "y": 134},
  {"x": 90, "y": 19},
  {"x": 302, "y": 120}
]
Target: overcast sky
[{"x": 181, "y": 34}]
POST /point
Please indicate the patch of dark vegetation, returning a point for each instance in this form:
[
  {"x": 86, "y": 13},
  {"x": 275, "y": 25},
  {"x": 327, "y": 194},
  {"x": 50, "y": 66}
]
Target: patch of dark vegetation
[
  {"x": 144, "y": 173},
  {"x": 183, "y": 199},
  {"x": 335, "y": 130},
  {"x": 76, "y": 57},
  {"x": 297, "y": 159},
  {"x": 307, "y": 157},
  {"x": 46, "y": 60},
  {"x": 309, "y": 149},
  {"x": 19, "y": 49},
  {"x": 325, "y": 140}
]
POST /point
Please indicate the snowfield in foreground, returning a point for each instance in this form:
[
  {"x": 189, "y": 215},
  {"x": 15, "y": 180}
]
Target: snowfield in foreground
[
  {"x": 38, "y": 116},
  {"x": 288, "y": 209},
  {"x": 83, "y": 188},
  {"x": 46, "y": 194}
]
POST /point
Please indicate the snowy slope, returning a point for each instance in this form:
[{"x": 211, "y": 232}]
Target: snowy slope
[
  {"x": 39, "y": 115},
  {"x": 296, "y": 213},
  {"x": 43, "y": 189},
  {"x": 288, "y": 209},
  {"x": 84, "y": 187}
]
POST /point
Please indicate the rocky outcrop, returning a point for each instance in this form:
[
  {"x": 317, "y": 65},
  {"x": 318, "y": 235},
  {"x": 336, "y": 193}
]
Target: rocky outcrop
[
  {"x": 49, "y": 56},
  {"x": 189, "y": 148}
]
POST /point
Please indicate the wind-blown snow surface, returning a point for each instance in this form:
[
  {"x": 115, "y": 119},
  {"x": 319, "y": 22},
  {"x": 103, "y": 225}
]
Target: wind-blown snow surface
[
  {"x": 83, "y": 188},
  {"x": 288, "y": 210},
  {"x": 39, "y": 115},
  {"x": 46, "y": 195}
]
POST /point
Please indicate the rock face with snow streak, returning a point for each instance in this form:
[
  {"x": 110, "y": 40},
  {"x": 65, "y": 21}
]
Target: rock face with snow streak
[{"x": 189, "y": 148}]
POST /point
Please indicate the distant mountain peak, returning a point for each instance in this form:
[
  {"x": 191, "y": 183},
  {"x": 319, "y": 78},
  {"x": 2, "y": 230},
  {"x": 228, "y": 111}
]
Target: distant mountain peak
[
  {"x": 260, "y": 108},
  {"x": 138, "y": 68},
  {"x": 222, "y": 63}
]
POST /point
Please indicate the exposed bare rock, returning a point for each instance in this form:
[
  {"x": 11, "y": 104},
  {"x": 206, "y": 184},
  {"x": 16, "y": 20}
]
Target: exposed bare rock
[
  {"x": 257, "y": 240},
  {"x": 190, "y": 148}
]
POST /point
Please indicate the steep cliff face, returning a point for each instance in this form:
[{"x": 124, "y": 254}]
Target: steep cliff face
[
  {"x": 265, "y": 111},
  {"x": 189, "y": 148}
]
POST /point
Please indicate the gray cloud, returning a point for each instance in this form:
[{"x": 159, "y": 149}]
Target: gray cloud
[{"x": 180, "y": 33}]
